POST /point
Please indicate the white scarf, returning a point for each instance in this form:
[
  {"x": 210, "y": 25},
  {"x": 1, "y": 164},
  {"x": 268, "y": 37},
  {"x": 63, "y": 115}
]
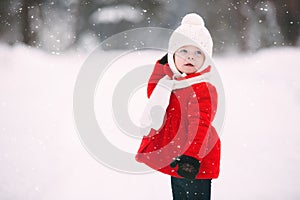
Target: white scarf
[{"x": 154, "y": 112}]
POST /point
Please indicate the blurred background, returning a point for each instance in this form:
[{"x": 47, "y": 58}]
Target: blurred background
[
  {"x": 43, "y": 45},
  {"x": 59, "y": 25}
]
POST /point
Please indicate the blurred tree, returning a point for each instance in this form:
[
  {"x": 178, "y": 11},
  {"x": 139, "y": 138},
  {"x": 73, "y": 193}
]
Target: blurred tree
[
  {"x": 8, "y": 28},
  {"x": 288, "y": 16},
  {"x": 28, "y": 11},
  {"x": 19, "y": 20},
  {"x": 259, "y": 27}
]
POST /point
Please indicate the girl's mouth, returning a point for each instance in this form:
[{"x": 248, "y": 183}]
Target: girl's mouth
[{"x": 189, "y": 65}]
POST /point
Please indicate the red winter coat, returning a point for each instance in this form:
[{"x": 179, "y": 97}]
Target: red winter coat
[{"x": 187, "y": 128}]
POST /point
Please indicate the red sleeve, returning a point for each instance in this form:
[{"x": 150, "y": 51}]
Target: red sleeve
[
  {"x": 157, "y": 74},
  {"x": 202, "y": 107}
]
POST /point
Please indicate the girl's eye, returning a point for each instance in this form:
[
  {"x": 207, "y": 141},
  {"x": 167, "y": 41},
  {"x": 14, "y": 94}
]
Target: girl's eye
[
  {"x": 198, "y": 53},
  {"x": 183, "y": 51}
]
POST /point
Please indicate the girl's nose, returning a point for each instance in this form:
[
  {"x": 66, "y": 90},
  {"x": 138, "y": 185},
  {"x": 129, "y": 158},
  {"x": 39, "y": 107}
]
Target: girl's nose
[{"x": 190, "y": 57}]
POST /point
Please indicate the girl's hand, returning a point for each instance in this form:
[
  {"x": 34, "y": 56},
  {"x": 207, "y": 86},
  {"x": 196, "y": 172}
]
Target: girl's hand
[{"x": 188, "y": 167}]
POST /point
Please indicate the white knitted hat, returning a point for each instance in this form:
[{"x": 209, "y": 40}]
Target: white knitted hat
[{"x": 192, "y": 31}]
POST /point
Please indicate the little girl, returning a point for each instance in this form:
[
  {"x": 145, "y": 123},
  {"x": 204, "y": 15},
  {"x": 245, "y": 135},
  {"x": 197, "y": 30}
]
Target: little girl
[{"x": 186, "y": 146}]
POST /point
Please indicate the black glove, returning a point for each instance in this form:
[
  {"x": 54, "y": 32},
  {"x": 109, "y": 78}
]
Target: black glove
[
  {"x": 188, "y": 167},
  {"x": 164, "y": 59}
]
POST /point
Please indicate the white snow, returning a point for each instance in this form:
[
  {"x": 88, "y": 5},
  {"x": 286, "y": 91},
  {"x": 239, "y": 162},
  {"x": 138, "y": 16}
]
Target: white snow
[
  {"x": 115, "y": 14},
  {"x": 41, "y": 156}
]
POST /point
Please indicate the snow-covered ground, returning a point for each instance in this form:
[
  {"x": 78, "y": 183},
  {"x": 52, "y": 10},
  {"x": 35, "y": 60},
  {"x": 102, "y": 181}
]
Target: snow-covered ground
[{"x": 41, "y": 156}]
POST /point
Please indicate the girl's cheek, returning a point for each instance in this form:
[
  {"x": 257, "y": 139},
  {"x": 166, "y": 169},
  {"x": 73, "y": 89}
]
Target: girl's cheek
[
  {"x": 179, "y": 60},
  {"x": 183, "y": 59}
]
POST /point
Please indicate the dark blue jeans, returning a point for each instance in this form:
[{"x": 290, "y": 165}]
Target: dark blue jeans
[{"x": 184, "y": 189}]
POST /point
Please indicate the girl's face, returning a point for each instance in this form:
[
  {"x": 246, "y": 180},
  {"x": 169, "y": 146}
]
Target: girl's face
[{"x": 188, "y": 59}]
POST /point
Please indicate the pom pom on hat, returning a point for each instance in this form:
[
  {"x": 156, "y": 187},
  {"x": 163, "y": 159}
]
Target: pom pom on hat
[{"x": 193, "y": 19}]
